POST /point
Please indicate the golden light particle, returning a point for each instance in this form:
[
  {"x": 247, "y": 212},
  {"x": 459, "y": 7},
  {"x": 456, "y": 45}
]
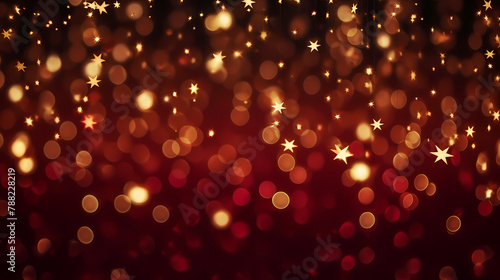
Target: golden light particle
[
  {"x": 360, "y": 172},
  {"x": 161, "y": 213},
  {"x": 367, "y": 220},
  {"x": 122, "y": 203},
  {"x": 453, "y": 224},
  {"x": 138, "y": 195},
  {"x": 85, "y": 235},
  {"x": 221, "y": 219},
  {"x": 286, "y": 162},
  {"x": 280, "y": 200},
  {"x": 90, "y": 203}
]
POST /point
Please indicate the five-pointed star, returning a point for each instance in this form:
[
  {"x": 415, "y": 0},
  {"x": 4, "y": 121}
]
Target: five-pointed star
[
  {"x": 313, "y": 46},
  {"x": 342, "y": 154},
  {"x": 194, "y": 88},
  {"x": 441, "y": 154},
  {"x": 89, "y": 122},
  {"x": 102, "y": 7},
  {"x": 6, "y": 34},
  {"x": 248, "y": 3},
  {"x": 377, "y": 124},
  {"x": 20, "y": 66},
  {"x": 289, "y": 145},
  {"x": 98, "y": 60},
  {"x": 29, "y": 121},
  {"x": 278, "y": 107},
  {"x": 470, "y": 131},
  {"x": 496, "y": 115},
  {"x": 354, "y": 8},
  {"x": 489, "y": 54},
  {"x": 117, "y": 4},
  {"x": 218, "y": 56},
  {"x": 93, "y": 82},
  {"x": 487, "y": 5}
]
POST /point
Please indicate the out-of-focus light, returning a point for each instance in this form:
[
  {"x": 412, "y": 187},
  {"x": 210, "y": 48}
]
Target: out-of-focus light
[
  {"x": 221, "y": 219},
  {"x": 138, "y": 195},
  {"x": 360, "y": 172}
]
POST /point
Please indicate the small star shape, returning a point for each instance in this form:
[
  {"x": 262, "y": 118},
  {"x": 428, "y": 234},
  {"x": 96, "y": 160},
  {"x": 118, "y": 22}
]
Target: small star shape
[
  {"x": 29, "y": 121},
  {"x": 289, "y": 145},
  {"x": 441, "y": 154},
  {"x": 6, "y": 34},
  {"x": 313, "y": 46},
  {"x": 89, "y": 122},
  {"x": 194, "y": 88},
  {"x": 98, "y": 60},
  {"x": 489, "y": 54},
  {"x": 248, "y": 3},
  {"x": 20, "y": 66},
  {"x": 377, "y": 124},
  {"x": 218, "y": 56},
  {"x": 496, "y": 116},
  {"x": 487, "y": 5},
  {"x": 102, "y": 7},
  {"x": 354, "y": 8},
  {"x": 342, "y": 154},
  {"x": 278, "y": 107},
  {"x": 470, "y": 131},
  {"x": 93, "y": 82},
  {"x": 117, "y": 4}
]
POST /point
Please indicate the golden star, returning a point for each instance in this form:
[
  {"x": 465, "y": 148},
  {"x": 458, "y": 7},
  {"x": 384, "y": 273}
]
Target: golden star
[
  {"x": 89, "y": 122},
  {"x": 117, "y": 4},
  {"x": 218, "y": 57},
  {"x": 102, "y": 7},
  {"x": 289, "y": 145},
  {"x": 441, "y": 154},
  {"x": 20, "y": 66},
  {"x": 194, "y": 88},
  {"x": 496, "y": 116},
  {"x": 98, "y": 60},
  {"x": 342, "y": 154},
  {"x": 354, "y": 8},
  {"x": 313, "y": 46},
  {"x": 248, "y": 3},
  {"x": 377, "y": 124},
  {"x": 6, "y": 34},
  {"x": 489, "y": 54},
  {"x": 93, "y": 82},
  {"x": 487, "y": 5},
  {"x": 470, "y": 131},
  {"x": 29, "y": 121},
  {"x": 278, "y": 107}
]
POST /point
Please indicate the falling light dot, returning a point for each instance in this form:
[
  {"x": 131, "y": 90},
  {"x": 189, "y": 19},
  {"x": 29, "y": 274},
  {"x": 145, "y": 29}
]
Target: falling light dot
[
  {"x": 367, "y": 220},
  {"x": 221, "y": 219},
  {"x": 138, "y": 195},
  {"x": 145, "y": 100},
  {"x": 360, "y": 172}
]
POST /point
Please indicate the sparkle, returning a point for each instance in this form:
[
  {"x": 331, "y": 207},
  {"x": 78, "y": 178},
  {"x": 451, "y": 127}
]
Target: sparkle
[
  {"x": 278, "y": 107},
  {"x": 20, "y": 66},
  {"x": 313, "y": 45},
  {"x": 248, "y": 3},
  {"x": 342, "y": 154},
  {"x": 98, "y": 60},
  {"x": 29, "y": 121},
  {"x": 354, "y": 8},
  {"x": 487, "y": 5},
  {"x": 93, "y": 82},
  {"x": 116, "y": 5},
  {"x": 6, "y": 34},
  {"x": 194, "y": 88},
  {"x": 470, "y": 131},
  {"x": 377, "y": 124},
  {"x": 441, "y": 154},
  {"x": 218, "y": 56},
  {"x": 289, "y": 145},
  {"x": 489, "y": 54},
  {"x": 211, "y": 133},
  {"x": 89, "y": 122},
  {"x": 496, "y": 115},
  {"x": 102, "y": 7}
]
